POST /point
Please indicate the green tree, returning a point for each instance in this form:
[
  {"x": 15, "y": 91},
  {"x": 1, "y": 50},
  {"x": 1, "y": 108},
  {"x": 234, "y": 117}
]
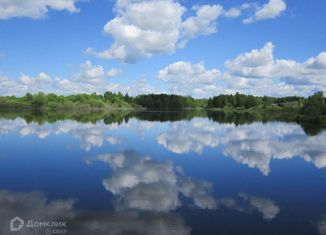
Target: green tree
[
  {"x": 315, "y": 105},
  {"x": 39, "y": 100}
]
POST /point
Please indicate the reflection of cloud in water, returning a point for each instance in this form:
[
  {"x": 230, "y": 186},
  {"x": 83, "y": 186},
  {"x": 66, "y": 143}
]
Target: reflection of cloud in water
[
  {"x": 265, "y": 206},
  {"x": 254, "y": 145},
  {"x": 35, "y": 206},
  {"x": 262, "y": 143},
  {"x": 113, "y": 140},
  {"x": 321, "y": 224},
  {"x": 129, "y": 223},
  {"x": 90, "y": 135},
  {"x": 186, "y": 136},
  {"x": 32, "y": 205},
  {"x": 247, "y": 203},
  {"x": 199, "y": 191},
  {"x": 147, "y": 184},
  {"x": 151, "y": 185}
]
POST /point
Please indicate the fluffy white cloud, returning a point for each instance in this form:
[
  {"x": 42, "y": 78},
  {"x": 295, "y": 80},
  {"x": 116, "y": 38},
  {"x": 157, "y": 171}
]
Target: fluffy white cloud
[
  {"x": 143, "y": 28},
  {"x": 269, "y": 10},
  {"x": 232, "y": 12},
  {"x": 204, "y": 22},
  {"x": 261, "y": 64},
  {"x": 39, "y": 80},
  {"x": 147, "y": 27},
  {"x": 34, "y": 8},
  {"x": 140, "y": 86},
  {"x": 185, "y": 72},
  {"x": 90, "y": 73},
  {"x": 256, "y": 63},
  {"x": 11, "y": 87},
  {"x": 318, "y": 62},
  {"x": 254, "y": 72},
  {"x": 114, "y": 72},
  {"x": 186, "y": 78},
  {"x": 91, "y": 78}
]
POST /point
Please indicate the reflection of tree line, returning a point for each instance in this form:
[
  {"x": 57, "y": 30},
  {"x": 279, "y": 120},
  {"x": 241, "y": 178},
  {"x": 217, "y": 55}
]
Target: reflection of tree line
[
  {"x": 240, "y": 118},
  {"x": 236, "y": 118},
  {"x": 82, "y": 117},
  {"x": 120, "y": 116}
]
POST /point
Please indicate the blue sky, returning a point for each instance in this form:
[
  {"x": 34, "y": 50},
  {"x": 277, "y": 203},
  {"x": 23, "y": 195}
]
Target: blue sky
[{"x": 199, "y": 48}]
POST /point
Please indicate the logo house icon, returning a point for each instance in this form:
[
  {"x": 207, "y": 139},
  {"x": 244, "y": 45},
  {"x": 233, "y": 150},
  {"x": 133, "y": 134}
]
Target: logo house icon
[{"x": 16, "y": 224}]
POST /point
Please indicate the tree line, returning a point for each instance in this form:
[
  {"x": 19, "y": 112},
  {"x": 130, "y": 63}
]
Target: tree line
[
  {"x": 248, "y": 101},
  {"x": 313, "y": 105}
]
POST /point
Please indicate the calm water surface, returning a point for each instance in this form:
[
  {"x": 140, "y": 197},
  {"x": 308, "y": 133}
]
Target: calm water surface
[{"x": 182, "y": 176}]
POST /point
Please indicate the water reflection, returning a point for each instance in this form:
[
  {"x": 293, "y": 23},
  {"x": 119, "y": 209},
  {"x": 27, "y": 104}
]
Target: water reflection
[
  {"x": 321, "y": 224},
  {"x": 141, "y": 182},
  {"x": 35, "y": 206},
  {"x": 147, "y": 193},
  {"x": 32, "y": 205},
  {"x": 254, "y": 145},
  {"x": 90, "y": 135},
  {"x": 171, "y": 183},
  {"x": 123, "y": 116},
  {"x": 247, "y": 203},
  {"x": 146, "y": 184}
]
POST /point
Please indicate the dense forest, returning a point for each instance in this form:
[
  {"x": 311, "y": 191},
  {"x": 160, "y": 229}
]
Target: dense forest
[
  {"x": 58, "y": 102},
  {"x": 168, "y": 102},
  {"x": 98, "y": 101},
  {"x": 249, "y": 101},
  {"x": 313, "y": 106}
]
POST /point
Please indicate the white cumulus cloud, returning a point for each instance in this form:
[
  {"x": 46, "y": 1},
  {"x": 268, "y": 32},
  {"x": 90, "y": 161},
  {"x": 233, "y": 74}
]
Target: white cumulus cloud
[
  {"x": 114, "y": 72},
  {"x": 90, "y": 73},
  {"x": 35, "y": 9},
  {"x": 204, "y": 22},
  {"x": 143, "y": 28},
  {"x": 269, "y": 10},
  {"x": 255, "y": 72}
]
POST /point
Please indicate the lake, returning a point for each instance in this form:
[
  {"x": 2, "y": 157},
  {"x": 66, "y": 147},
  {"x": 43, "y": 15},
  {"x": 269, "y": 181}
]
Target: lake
[{"x": 161, "y": 173}]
